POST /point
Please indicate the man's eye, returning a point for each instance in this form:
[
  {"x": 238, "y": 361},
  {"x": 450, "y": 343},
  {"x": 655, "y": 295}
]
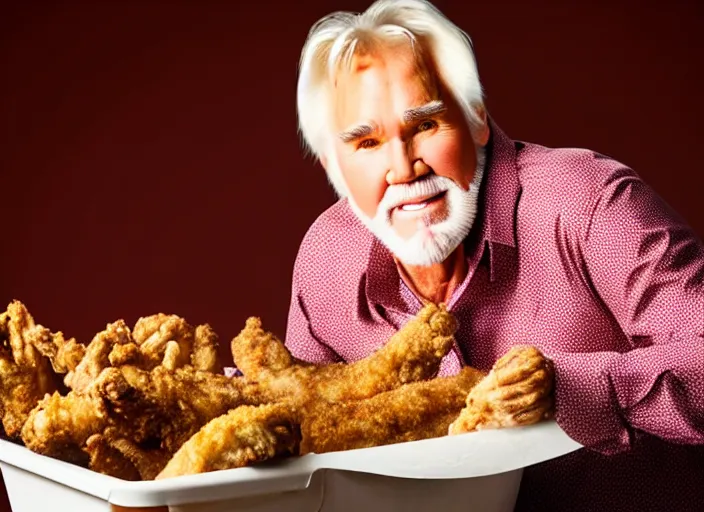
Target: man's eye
[
  {"x": 426, "y": 125},
  {"x": 368, "y": 144}
]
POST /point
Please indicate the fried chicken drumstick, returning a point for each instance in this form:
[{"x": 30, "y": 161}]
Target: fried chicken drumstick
[
  {"x": 382, "y": 399},
  {"x": 412, "y": 354},
  {"x": 517, "y": 391},
  {"x": 27, "y": 353}
]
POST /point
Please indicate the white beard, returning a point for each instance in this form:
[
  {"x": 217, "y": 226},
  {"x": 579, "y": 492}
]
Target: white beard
[{"x": 423, "y": 248}]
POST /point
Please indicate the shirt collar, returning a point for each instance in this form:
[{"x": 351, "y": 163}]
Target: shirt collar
[
  {"x": 495, "y": 226},
  {"x": 501, "y": 189}
]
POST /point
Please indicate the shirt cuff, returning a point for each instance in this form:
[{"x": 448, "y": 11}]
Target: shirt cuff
[{"x": 586, "y": 407}]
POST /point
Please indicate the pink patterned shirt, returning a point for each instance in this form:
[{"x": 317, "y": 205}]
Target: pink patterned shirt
[{"x": 573, "y": 253}]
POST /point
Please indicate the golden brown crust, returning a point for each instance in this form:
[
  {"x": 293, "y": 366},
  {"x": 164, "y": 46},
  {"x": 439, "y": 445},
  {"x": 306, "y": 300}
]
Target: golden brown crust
[
  {"x": 518, "y": 391},
  {"x": 416, "y": 411},
  {"x": 412, "y": 354},
  {"x": 25, "y": 374},
  {"x": 239, "y": 438}
]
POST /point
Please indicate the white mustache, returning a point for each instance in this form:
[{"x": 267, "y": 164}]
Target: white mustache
[{"x": 396, "y": 195}]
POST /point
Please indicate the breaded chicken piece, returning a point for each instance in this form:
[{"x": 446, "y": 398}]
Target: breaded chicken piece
[
  {"x": 147, "y": 414},
  {"x": 59, "y": 425},
  {"x": 116, "y": 456},
  {"x": 205, "y": 355},
  {"x": 106, "y": 459},
  {"x": 412, "y": 354},
  {"x": 64, "y": 354},
  {"x": 412, "y": 412},
  {"x": 420, "y": 410},
  {"x": 97, "y": 356},
  {"x": 164, "y": 339},
  {"x": 517, "y": 391},
  {"x": 244, "y": 436},
  {"x": 25, "y": 374},
  {"x": 171, "y": 405},
  {"x": 148, "y": 461}
]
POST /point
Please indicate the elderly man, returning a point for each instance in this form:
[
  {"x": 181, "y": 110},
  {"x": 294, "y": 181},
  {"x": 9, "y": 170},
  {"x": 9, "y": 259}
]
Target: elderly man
[{"x": 564, "y": 249}]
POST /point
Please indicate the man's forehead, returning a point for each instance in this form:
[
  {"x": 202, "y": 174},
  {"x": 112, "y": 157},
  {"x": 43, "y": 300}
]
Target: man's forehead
[
  {"x": 374, "y": 81},
  {"x": 378, "y": 84}
]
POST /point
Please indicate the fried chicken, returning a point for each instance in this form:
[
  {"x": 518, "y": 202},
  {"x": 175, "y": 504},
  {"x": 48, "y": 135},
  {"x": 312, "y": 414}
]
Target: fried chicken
[
  {"x": 133, "y": 398},
  {"x": 516, "y": 392},
  {"x": 60, "y": 425},
  {"x": 25, "y": 374},
  {"x": 152, "y": 402},
  {"x": 171, "y": 405},
  {"x": 420, "y": 410},
  {"x": 97, "y": 356},
  {"x": 117, "y": 456},
  {"x": 383, "y": 402},
  {"x": 412, "y": 354},
  {"x": 412, "y": 412},
  {"x": 241, "y": 437},
  {"x": 156, "y": 340},
  {"x": 155, "y": 410},
  {"x": 106, "y": 459}
]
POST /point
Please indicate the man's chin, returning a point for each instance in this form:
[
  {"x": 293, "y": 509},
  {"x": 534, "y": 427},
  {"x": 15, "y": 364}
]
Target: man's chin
[
  {"x": 434, "y": 244},
  {"x": 421, "y": 249}
]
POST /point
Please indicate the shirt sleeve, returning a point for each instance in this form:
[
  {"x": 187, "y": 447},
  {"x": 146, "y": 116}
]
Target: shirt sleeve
[
  {"x": 647, "y": 266},
  {"x": 301, "y": 341}
]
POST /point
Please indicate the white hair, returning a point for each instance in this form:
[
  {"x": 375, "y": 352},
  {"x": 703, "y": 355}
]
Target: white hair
[{"x": 333, "y": 41}]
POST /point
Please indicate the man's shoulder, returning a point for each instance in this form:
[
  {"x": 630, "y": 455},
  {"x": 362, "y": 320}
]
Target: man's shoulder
[
  {"x": 569, "y": 177},
  {"x": 575, "y": 165},
  {"x": 563, "y": 186},
  {"x": 336, "y": 239}
]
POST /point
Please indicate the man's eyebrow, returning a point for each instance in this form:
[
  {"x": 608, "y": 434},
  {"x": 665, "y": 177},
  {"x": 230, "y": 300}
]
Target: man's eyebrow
[
  {"x": 356, "y": 132},
  {"x": 411, "y": 115},
  {"x": 430, "y": 109}
]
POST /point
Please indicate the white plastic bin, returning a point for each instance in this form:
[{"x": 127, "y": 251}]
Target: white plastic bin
[{"x": 473, "y": 472}]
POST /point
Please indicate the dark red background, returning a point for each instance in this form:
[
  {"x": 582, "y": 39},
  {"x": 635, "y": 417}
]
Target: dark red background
[{"x": 150, "y": 162}]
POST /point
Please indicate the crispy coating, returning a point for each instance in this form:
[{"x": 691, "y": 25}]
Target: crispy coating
[
  {"x": 20, "y": 389},
  {"x": 16, "y": 323},
  {"x": 60, "y": 425},
  {"x": 205, "y": 354},
  {"x": 149, "y": 414},
  {"x": 412, "y": 354},
  {"x": 239, "y": 438},
  {"x": 416, "y": 411},
  {"x": 25, "y": 374},
  {"x": 64, "y": 354},
  {"x": 97, "y": 356},
  {"x": 517, "y": 391},
  {"x": 117, "y": 456},
  {"x": 148, "y": 461},
  {"x": 171, "y": 406},
  {"x": 154, "y": 333},
  {"x": 106, "y": 459}
]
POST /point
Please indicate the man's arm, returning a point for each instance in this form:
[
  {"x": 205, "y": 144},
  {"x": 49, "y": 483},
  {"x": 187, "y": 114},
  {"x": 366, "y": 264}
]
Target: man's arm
[
  {"x": 648, "y": 268},
  {"x": 301, "y": 341}
]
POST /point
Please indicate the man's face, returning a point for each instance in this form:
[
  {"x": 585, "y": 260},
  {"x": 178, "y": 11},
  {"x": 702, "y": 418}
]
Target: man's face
[{"x": 407, "y": 157}]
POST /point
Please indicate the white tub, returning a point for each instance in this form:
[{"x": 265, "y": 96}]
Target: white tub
[{"x": 472, "y": 472}]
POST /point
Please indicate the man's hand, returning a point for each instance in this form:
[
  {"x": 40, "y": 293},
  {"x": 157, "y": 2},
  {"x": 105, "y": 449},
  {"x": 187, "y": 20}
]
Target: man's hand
[{"x": 517, "y": 391}]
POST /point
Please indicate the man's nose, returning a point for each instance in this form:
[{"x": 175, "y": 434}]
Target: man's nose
[{"x": 404, "y": 166}]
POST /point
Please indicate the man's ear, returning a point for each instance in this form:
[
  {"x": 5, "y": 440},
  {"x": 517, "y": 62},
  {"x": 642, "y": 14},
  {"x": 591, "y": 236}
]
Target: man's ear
[{"x": 481, "y": 133}]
